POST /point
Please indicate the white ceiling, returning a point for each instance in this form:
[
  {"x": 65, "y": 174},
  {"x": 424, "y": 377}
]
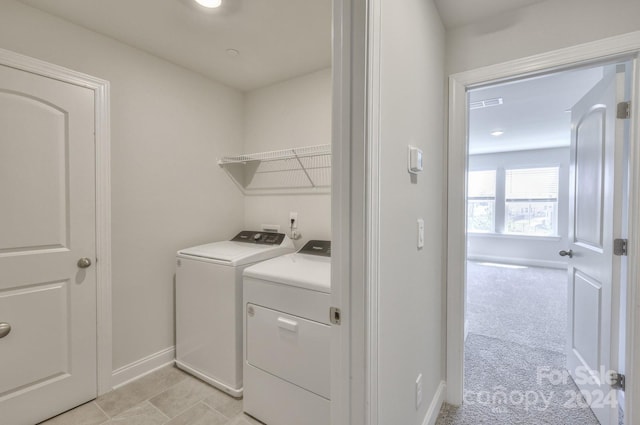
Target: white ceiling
[
  {"x": 456, "y": 13},
  {"x": 277, "y": 39},
  {"x": 533, "y": 113}
]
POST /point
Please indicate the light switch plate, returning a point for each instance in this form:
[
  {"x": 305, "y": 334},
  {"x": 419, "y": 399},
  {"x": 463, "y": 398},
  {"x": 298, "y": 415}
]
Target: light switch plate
[
  {"x": 420, "y": 233},
  {"x": 414, "y": 160}
]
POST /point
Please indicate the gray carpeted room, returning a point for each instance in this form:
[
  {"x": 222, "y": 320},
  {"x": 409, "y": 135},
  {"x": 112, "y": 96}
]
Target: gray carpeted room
[
  {"x": 514, "y": 350},
  {"x": 523, "y": 216}
]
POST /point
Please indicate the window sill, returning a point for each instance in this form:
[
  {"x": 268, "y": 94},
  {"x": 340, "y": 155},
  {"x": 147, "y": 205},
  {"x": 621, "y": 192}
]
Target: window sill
[{"x": 511, "y": 236}]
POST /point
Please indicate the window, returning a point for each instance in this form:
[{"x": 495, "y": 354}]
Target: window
[
  {"x": 481, "y": 201},
  {"x": 531, "y": 201}
]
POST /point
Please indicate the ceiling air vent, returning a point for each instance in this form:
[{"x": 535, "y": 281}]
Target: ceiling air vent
[{"x": 486, "y": 103}]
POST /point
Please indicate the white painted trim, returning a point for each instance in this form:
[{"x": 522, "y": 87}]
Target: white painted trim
[
  {"x": 103, "y": 196},
  {"x": 508, "y": 236},
  {"x": 632, "y": 355},
  {"x": 435, "y": 406},
  {"x": 340, "y": 353},
  {"x": 466, "y": 329},
  {"x": 583, "y": 54},
  {"x": 103, "y": 237},
  {"x": 597, "y": 51},
  {"x": 518, "y": 261},
  {"x": 373, "y": 207},
  {"x": 456, "y": 242},
  {"x": 237, "y": 393},
  {"x": 348, "y": 348},
  {"x": 136, "y": 370}
]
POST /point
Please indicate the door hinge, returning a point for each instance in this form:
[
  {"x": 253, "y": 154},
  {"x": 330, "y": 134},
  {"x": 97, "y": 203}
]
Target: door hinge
[
  {"x": 624, "y": 110},
  {"x": 618, "y": 381},
  {"x": 620, "y": 247},
  {"x": 335, "y": 315}
]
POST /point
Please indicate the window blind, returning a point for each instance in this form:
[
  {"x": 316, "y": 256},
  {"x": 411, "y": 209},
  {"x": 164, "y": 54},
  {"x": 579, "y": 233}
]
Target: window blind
[
  {"x": 532, "y": 184},
  {"x": 482, "y": 184}
]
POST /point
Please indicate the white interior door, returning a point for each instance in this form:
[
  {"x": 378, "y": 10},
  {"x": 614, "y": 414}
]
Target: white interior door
[
  {"x": 47, "y": 223},
  {"x": 594, "y": 222}
]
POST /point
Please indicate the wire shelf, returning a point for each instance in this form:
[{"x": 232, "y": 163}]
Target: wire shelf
[
  {"x": 278, "y": 155},
  {"x": 301, "y": 170}
]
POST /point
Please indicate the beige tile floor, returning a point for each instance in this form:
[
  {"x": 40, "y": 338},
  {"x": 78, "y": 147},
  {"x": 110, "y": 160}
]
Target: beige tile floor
[{"x": 165, "y": 397}]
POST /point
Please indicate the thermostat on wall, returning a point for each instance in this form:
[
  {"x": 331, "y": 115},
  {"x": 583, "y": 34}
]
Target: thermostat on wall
[{"x": 415, "y": 160}]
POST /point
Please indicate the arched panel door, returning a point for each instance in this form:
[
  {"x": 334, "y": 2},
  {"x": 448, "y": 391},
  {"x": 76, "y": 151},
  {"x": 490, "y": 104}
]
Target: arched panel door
[
  {"x": 594, "y": 222},
  {"x": 47, "y": 247}
]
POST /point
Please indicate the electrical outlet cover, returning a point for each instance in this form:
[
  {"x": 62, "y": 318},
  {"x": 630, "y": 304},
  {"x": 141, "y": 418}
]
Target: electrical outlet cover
[{"x": 293, "y": 216}]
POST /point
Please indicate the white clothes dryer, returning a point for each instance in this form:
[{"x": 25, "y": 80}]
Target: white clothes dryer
[
  {"x": 287, "y": 337},
  {"x": 209, "y": 305}
]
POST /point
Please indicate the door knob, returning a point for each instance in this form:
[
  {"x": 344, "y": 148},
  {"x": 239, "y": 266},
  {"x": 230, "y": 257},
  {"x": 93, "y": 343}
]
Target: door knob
[
  {"x": 5, "y": 328},
  {"x": 564, "y": 253},
  {"x": 84, "y": 262}
]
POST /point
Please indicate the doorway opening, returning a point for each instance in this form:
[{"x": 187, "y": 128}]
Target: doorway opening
[{"x": 544, "y": 294}]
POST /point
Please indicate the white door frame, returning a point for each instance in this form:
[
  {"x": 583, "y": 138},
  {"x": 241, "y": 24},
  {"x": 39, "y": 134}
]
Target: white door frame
[
  {"x": 349, "y": 363},
  {"x": 606, "y": 49},
  {"x": 103, "y": 197}
]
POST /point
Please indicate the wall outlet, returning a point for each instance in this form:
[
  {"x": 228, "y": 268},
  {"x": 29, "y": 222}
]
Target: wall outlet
[
  {"x": 293, "y": 219},
  {"x": 418, "y": 391}
]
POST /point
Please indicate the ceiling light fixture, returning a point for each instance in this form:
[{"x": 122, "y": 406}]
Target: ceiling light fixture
[
  {"x": 211, "y": 4},
  {"x": 497, "y": 133}
]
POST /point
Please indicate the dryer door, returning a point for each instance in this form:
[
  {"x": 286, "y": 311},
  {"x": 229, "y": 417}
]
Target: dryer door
[{"x": 294, "y": 349}]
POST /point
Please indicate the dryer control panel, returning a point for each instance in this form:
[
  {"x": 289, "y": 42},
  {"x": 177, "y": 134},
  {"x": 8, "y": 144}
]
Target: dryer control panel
[
  {"x": 322, "y": 248},
  {"x": 262, "y": 238}
]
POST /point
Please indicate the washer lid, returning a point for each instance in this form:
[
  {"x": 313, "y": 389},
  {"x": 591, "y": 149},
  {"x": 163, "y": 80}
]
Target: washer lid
[
  {"x": 301, "y": 270},
  {"x": 233, "y": 253}
]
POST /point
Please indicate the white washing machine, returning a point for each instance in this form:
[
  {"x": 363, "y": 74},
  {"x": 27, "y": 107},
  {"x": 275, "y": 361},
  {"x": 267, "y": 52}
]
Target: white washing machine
[
  {"x": 287, "y": 337},
  {"x": 209, "y": 304}
]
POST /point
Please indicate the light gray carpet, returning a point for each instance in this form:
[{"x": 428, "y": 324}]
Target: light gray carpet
[
  {"x": 502, "y": 387},
  {"x": 517, "y": 322},
  {"x": 526, "y": 306}
]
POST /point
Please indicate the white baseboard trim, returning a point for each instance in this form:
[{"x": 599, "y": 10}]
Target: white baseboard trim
[
  {"x": 142, "y": 367},
  {"x": 436, "y": 403},
  {"x": 466, "y": 329},
  {"x": 233, "y": 392},
  {"x": 518, "y": 261}
]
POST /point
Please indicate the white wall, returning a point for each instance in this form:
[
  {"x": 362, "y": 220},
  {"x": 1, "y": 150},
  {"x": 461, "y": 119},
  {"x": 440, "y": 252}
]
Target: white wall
[
  {"x": 411, "y": 280},
  {"x": 529, "y": 250},
  {"x": 539, "y": 28},
  {"x": 293, "y": 113},
  {"x": 168, "y": 127}
]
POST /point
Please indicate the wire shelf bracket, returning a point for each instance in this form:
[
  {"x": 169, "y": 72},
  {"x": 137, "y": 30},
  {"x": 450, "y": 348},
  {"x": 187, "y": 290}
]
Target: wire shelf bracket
[{"x": 287, "y": 171}]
